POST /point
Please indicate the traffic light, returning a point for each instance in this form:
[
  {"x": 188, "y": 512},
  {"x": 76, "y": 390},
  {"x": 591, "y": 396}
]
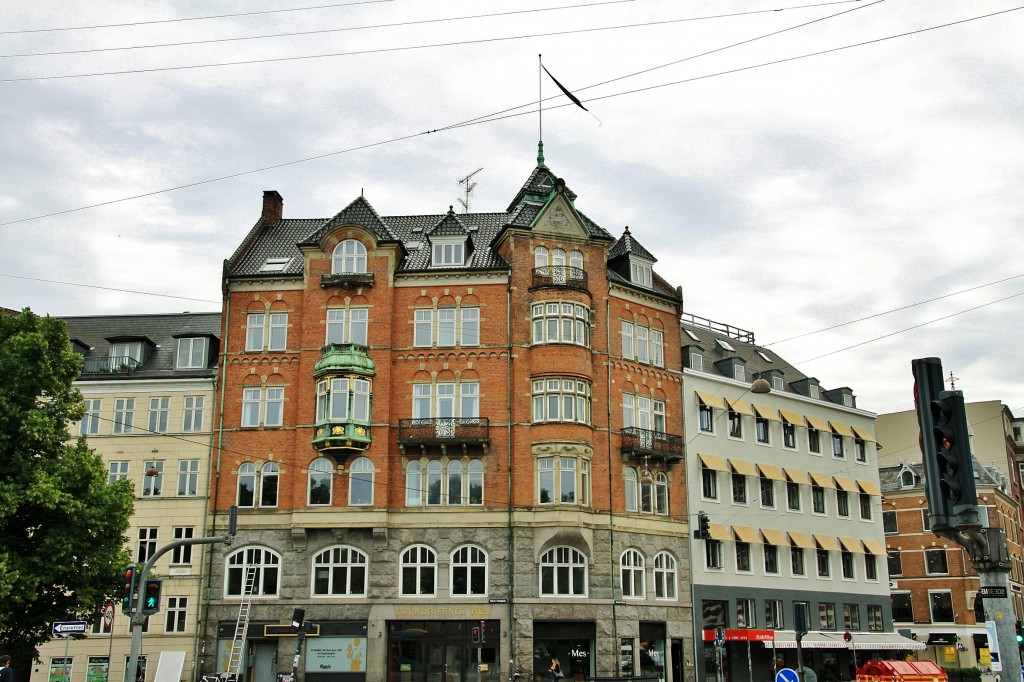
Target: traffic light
[
  {"x": 475, "y": 634},
  {"x": 1020, "y": 634},
  {"x": 298, "y": 615},
  {"x": 151, "y": 596},
  {"x": 128, "y": 591},
  {"x": 703, "y": 526}
]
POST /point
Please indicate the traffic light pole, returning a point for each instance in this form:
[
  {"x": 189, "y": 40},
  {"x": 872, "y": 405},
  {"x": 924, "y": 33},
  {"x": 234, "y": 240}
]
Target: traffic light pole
[{"x": 138, "y": 618}]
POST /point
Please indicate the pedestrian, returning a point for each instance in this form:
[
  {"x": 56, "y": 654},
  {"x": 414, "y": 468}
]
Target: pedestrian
[
  {"x": 6, "y": 674},
  {"x": 555, "y": 669}
]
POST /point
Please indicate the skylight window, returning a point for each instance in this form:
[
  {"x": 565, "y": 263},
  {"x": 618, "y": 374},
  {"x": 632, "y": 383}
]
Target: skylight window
[
  {"x": 691, "y": 335},
  {"x": 275, "y": 264},
  {"x": 764, "y": 356},
  {"x": 725, "y": 345}
]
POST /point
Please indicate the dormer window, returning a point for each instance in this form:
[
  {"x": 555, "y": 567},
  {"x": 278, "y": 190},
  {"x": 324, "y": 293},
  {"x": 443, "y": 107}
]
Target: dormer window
[
  {"x": 739, "y": 372},
  {"x": 192, "y": 353},
  {"x": 640, "y": 273},
  {"x": 813, "y": 390},
  {"x": 130, "y": 349},
  {"x": 778, "y": 383},
  {"x": 696, "y": 360},
  {"x": 349, "y": 258},
  {"x": 907, "y": 478},
  {"x": 448, "y": 253}
]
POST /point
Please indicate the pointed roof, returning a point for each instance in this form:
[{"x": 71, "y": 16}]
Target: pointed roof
[
  {"x": 359, "y": 212},
  {"x": 449, "y": 225},
  {"x": 627, "y": 244}
]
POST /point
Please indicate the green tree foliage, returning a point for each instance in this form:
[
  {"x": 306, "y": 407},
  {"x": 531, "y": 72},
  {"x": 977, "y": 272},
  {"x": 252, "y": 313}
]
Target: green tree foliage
[{"x": 62, "y": 526}]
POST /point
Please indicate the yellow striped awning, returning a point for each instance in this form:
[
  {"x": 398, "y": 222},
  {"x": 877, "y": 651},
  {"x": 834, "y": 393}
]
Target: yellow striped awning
[
  {"x": 719, "y": 531},
  {"x": 766, "y": 412},
  {"x": 864, "y": 434},
  {"x": 771, "y": 471},
  {"x": 713, "y": 462},
  {"x": 869, "y": 487},
  {"x": 841, "y": 429},
  {"x": 801, "y": 539},
  {"x": 846, "y": 484},
  {"x": 817, "y": 423},
  {"x": 827, "y": 542},
  {"x": 851, "y": 545},
  {"x": 741, "y": 466},
  {"x": 822, "y": 480},
  {"x": 797, "y": 476},
  {"x": 774, "y": 537},
  {"x": 740, "y": 406},
  {"x": 711, "y": 400},
  {"x": 793, "y": 417},
  {"x": 746, "y": 534},
  {"x": 875, "y": 547}
]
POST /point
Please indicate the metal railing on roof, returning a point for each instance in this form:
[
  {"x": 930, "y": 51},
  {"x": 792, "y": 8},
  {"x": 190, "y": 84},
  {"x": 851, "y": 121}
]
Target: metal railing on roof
[
  {"x": 719, "y": 327},
  {"x": 114, "y": 364}
]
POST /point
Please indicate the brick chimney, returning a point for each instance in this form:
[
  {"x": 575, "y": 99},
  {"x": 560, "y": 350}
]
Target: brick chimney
[{"x": 273, "y": 206}]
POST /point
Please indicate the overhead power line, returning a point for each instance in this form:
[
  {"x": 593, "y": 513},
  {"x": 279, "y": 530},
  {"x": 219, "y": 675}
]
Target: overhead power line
[{"x": 96, "y": 286}]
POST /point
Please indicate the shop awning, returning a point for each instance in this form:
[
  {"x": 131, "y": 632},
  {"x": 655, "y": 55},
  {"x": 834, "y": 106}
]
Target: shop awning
[
  {"x": 941, "y": 639},
  {"x": 713, "y": 462},
  {"x": 851, "y": 545},
  {"x": 875, "y": 547},
  {"x": 771, "y": 471},
  {"x": 864, "y": 434},
  {"x": 797, "y": 476},
  {"x": 884, "y": 641},
  {"x": 711, "y": 400},
  {"x": 822, "y": 480},
  {"x": 817, "y": 423},
  {"x": 801, "y": 539},
  {"x": 786, "y": 639},
  {"x": 741, "y": 466},
  {"x": 719, "y": 531},
  {"x": 774, "y": 537},
  {"x": 740, "y": 406},
  {"x": 827, "y": 542},
  {"x": 841, "y": 428},
  {"x": 766, "y": 412},
  {"x": 746, "y": 534},
  {"x": 846, "y": 484},
  {"x": 793, "y": 417},
  {"x": 869, "y": 487}
]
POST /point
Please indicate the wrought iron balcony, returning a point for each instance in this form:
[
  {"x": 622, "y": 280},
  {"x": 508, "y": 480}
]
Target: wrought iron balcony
[
  {"x": 445, "y": 432},
  {"x": 347, "y": 280},
  {"x": 560, "y": 276},
  {"x": 115, "y": 364},
  {"x": 637, "y": 442}
]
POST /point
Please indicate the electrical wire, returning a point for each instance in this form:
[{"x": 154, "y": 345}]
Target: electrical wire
[{"x": 96, "y": 286}]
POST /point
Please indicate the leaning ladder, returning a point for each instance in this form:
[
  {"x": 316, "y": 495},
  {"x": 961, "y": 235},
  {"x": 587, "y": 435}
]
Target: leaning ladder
[{"x": 241, "y": 625}]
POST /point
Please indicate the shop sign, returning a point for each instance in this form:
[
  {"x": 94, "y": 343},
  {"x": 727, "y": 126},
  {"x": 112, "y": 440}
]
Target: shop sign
[{"x": 742, "y": 635}]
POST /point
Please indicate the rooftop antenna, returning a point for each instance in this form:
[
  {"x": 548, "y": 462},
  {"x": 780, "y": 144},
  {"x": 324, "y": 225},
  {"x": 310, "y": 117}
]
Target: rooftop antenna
[{"x": 469, "y": 189}]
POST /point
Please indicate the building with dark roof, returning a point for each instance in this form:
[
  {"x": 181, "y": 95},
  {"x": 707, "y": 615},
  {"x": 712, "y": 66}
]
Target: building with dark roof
[{"x": 455, "y": 442}]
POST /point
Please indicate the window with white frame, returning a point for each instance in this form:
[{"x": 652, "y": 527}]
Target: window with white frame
[
  {"x": 117, "y": 470},
  {"x": 177, "y": 609},
  {"x": 255, "y": 566},
  {"x": 340, "y": 571},
  {"x": 796, "y": 561},
  {"x": 265, "y": 331},
  {"x": 262, "y": 406},
  {"x": 188, "y": 477},
  {"x": 446, "y": 327},
  {"x": 792, "y": 496},
  {"x": 182, "y": 555},
  {"x": 846, "y": 563},
  {"x": 541, "y": 258},
  {"x": 709, "y": 483},
  {"x": 860, "y": 449},
  {"x": 193, "y": 413},
  {"x": 343, "y": 399},
  {"x": 640, "y": 274},
  {"x": 643, "y": 412},
  {"x": 269, "y": 483},
  {"x": 159, "y": 413},
  {"x": 348, "y": 258},
  {"x": 788, "y": 435},
  {"x": 320, "y": 477},
  {"x": 767, "y": 492},
  {"x": 560, "y": 480},
  {"x": 865, "y": 506},
  {"x": 90, "y": 425},
  {"x": 842, "y": 503},
  {"x": 192, "y": 352},
  {"x": 713, "y": 554},
  {"x": 153, "y": 478},
  {"x": 469, "y": 572},
  {"x": 631, "y": 570},
  {"x": 563, "y": 572},
  {"x": 360, "y": 482},
  {"x": 739, "y": 488},
  {"x": 696, "y": 360},
  {"x": 124, "y": 415},
  {"x": 246, "y": 492},
  {"x": 824, "y": 563},
  {"x": 837, "y": 446},
  {"x": 632, "y": 490},
  {"x": 347, "y": 325},
  {"x": 870, "y": 567},
  {"x": 762, "y": 432},
  {"x": 735, "y": 424},
  {"x": 124, "y": 352},
  {"x": 773, "y": 614},
  {"x": 818, "y": 499},
  {"x": 146, "y": 546},
  {"x": 446, "y": 400},
  {"x": 665, "y": 576},
  {"x": 418, "y": 577},
  {"x": 448, "y": 252},
  {"x": 557, "y": 399},
  {"x": 706, "y": 416},
  {"x": 742, "y": 557},
  {"x": 643, "y": 344},
  {"x": 561, "y": 322}
]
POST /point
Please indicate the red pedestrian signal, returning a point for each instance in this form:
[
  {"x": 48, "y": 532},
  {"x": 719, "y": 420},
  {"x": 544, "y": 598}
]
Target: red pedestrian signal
[
  {"x": 475, "y": 634},
  {"x": 128, "y": 590}
]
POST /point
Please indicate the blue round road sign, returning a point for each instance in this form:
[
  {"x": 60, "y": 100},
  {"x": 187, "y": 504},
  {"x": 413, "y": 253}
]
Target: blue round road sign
[{"x": 787, "y": 675}]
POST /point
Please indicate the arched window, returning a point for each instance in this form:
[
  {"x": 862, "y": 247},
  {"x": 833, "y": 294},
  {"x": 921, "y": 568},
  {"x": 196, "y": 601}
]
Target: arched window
[
  {"x": 540, "y": 257},
  {"x": 360, "y": 482},
  {"x": 321, "y": 479},
  {"x": 575, "y": 264},
  {"x": 558, "y": 268},
  {"x": 660, "y": 494},
  {"x": 469, "y": 571},
  {"x": 631, "y": 489},
  {"x": 558, "y": 258},
  {"x": 664, "y": 576},
  {"x": 563, "y": 572},
  {"x": 349, "y": 258},
  {"x": 254, "y": 570},
  {"x": 906, "y": 479},
  {"x": 247, "y": 485},
  {"x": 419, "y": 571},
  {"x": 269, "y": 479},
  {"x": 340, "y": 571},
  {"x": 631, "y": 565},
  {"x": 476, "y": 481},
  {"x": 455, "y": 482},
  {"x": 413, "y": 484},
  {"x": 647, "y": 494},
  {"x": 434, "y": 482}
]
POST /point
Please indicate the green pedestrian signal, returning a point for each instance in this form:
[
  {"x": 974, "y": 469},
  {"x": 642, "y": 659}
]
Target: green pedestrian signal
[{"x": 151, "y": 596}]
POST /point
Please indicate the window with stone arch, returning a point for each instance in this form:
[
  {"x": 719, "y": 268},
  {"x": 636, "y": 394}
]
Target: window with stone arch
[
  {"x": 340, "y": 572},
  {"x": 270, "y": 478},
  {"x": 469, "y": 572},
  {"x": 631, "y": 489},
  {"x": 563, "y": 572},
  {"x": 360, "y": 482},
  {"x": 246, "y": 485},
  {"x": 631, "y": 568},
  {"x": 665, "y": 578},
  {"x": 418, "y": 572},
  {"x": 321, "y": 482},
  {"x": 252, "y": 570},
  {"x": 540, "y": 257},
  {"x": 349, "y": 258}
]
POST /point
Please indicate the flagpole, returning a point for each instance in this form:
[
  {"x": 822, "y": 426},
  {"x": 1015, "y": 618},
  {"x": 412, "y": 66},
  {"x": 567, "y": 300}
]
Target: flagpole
[{"x": 540, "y": 100}]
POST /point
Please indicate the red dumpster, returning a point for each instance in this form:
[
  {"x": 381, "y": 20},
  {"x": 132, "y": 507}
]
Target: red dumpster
[{"x": 901, "y": 671}]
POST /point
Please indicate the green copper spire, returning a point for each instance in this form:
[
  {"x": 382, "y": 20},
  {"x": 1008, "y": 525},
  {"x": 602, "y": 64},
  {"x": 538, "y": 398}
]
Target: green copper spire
[{"x": 540, "y": 155}]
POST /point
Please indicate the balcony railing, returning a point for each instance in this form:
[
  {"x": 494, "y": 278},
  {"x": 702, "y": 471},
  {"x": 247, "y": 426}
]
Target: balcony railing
[
  {"x": 347, "y": 280},
  {"x": 560, "y": 276},
  {"x": 639, "y": 442},
  {"x": 115, "y": 364},
  {"x": 465, "y": 431}
]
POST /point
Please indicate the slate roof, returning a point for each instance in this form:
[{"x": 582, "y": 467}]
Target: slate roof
[
  {"x": 627, "y": 244},
  {"x": 94, "y": 331},
  {"x": 890, "y": 478}
]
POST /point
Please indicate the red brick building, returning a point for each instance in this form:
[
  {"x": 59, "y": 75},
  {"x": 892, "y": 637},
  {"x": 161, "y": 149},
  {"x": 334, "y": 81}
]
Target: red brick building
[{"x": 442, "y": 423}]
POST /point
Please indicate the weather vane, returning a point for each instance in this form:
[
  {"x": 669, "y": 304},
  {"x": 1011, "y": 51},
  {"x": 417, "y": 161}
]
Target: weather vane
[{"x": 952, "y": 381}]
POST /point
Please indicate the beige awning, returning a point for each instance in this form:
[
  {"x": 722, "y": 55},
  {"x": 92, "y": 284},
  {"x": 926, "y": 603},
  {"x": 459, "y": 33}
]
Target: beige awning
[
  {"x": 827, "y": 542},
  {"x": 864, "y": 434},
  {"x": 869, "y": 487},
  {"x": 875, "y": 547},
  {"x": 797, "y": 476},
  {"x": 822, "y": 480},
  {"x": 817, "y": 423},
  {"x": 746, "y": 534},
  {"x": 801, "y": 539},
  {"x": 740, "y": 406},
  {"x": 741, "y": 466},
  {"x": 711, "y": 400},
  {"x": 771, "y": 471},
  {"x": 841, "y": 429},
  {"x": 851, "y": 545},
  {"x": 719, "y": 531},
  {"x": 774, "y": 537},
  {"x": 793, "y": 417},
  {"x": 766, "y": 412},
  {"x": 713, "y": 462},
  {"x": 846, "y": 484}
]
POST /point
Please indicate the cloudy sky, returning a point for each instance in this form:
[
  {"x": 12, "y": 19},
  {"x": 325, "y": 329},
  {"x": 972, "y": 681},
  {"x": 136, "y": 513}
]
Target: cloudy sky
[{"x": 804, "y": 171}]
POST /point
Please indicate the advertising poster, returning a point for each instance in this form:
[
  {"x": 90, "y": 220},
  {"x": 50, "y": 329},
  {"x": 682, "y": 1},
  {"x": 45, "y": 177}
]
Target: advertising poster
[{"x": 336, "y": 655}]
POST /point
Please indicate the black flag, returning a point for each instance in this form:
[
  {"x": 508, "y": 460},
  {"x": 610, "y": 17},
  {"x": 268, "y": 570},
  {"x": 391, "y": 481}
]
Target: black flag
[{"x": 561, "y": 87}]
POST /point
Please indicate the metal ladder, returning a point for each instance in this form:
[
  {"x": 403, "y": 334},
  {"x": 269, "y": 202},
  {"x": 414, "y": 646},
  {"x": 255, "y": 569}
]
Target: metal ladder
[{"x": 242, "y": 624}]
